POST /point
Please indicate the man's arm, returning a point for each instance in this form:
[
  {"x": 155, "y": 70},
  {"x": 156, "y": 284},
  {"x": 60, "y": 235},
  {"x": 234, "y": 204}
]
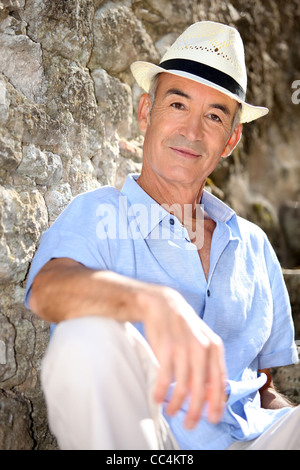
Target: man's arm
[
  {"x": 65, "y": 289},
  {"x": 188, "y": 352},
  {"x": 270, "y": 398}
]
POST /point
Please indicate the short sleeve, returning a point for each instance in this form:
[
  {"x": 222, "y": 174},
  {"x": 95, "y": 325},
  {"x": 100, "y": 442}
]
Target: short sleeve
[
  {"x": 75, "y": 235},
  {"x": 280, "y": 349}
]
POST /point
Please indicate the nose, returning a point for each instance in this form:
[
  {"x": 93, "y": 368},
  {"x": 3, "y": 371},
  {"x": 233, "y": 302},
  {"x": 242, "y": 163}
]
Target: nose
[{"x": 192, "y": 127}]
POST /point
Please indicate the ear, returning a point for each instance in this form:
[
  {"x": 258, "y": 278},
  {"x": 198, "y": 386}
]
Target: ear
[
  {"x": 233, "y": 140},
  {"x": 144, "y": 112}
]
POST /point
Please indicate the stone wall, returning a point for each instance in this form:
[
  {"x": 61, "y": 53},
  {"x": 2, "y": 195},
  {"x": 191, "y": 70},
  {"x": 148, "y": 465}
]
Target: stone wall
[{"x": 68, "y": 124}]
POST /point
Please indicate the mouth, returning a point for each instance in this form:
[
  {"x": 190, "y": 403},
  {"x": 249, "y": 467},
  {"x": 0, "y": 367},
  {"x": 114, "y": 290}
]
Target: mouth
[{"x": 185, "y": 153}]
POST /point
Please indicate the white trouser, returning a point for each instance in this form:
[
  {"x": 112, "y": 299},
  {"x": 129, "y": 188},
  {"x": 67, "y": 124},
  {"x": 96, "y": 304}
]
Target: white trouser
[
  {"x": 282, "y": 435},
  {"x": 98, "y": 377}
]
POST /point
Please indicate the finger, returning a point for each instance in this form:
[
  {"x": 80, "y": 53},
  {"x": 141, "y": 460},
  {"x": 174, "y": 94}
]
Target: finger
[
  {"x": 215, "y": 391},
  {"x": 208, "y": 381},
  {"x": 198, "y": 380},
  {"x": 181, "y": 374},
  {"x": 164, "y": 377}
]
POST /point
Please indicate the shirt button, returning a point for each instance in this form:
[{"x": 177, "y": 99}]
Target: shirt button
[
  {"x": 172, "y": 222},
  {"x": 208, "y": 293}
]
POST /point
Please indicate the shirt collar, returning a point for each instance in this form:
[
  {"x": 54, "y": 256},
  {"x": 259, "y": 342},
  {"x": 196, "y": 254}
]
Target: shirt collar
[
  {"x": 154, "y": 213},
  {"x": 220, "y": 212},
  {"x": 151, "y": 213},
  {"x": 216, "y": 209}
]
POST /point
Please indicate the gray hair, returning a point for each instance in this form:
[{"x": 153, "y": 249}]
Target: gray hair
[
  {"x": 153, "y": 89},
  {"x": 237, "y": 117}
]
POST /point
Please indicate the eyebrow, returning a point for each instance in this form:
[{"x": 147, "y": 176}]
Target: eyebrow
[
  {"x": 177, "y": 91},
  {"x": 222, "y": 107}
]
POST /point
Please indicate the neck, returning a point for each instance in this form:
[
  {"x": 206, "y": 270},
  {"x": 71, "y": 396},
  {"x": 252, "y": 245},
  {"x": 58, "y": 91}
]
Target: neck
[{"x": 173, "y": 195}]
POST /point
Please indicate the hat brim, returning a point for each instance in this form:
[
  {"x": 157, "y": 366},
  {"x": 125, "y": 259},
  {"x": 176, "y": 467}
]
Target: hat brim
[{"x": 144, "y": 72}]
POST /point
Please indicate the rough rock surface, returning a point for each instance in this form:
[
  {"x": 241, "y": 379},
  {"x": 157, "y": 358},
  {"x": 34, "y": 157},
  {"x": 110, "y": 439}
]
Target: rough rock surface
[{"x": 68, "y": 124}]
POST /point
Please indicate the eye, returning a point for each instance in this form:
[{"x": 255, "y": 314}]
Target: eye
[
  {"x": 177, "y": 105},
  {"x": 214, "y": 117}
]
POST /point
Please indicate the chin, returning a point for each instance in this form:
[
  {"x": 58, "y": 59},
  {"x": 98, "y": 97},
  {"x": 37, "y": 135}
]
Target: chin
[{"x": 181, "y": 175}]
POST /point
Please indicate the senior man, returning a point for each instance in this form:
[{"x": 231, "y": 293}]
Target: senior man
[{"x": 171, "y": 309}]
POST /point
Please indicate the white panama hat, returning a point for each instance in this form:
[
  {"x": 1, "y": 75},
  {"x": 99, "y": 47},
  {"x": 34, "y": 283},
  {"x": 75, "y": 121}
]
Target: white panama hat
[{"x": 209, "y": 53}]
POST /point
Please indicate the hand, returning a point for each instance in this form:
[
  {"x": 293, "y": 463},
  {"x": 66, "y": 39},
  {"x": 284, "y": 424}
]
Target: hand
[{"x": 188, "y": 352}]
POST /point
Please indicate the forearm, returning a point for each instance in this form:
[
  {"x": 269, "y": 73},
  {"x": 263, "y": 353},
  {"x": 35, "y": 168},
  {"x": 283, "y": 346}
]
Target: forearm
[
  {"x": 64, "y": 289},
  {"x": 270, "y": 398}
]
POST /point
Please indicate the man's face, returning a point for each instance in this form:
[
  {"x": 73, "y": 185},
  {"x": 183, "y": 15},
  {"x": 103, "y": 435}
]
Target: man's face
[{"x": 187, "y": 131}]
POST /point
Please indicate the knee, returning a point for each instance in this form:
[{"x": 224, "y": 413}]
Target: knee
[
  {"x": 87, "y": 333},
  {"x": 84, "y": 346}
]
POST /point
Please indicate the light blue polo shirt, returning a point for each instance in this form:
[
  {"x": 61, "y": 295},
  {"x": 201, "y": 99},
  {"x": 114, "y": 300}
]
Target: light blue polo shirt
[{"x": 244, "y": 300}]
